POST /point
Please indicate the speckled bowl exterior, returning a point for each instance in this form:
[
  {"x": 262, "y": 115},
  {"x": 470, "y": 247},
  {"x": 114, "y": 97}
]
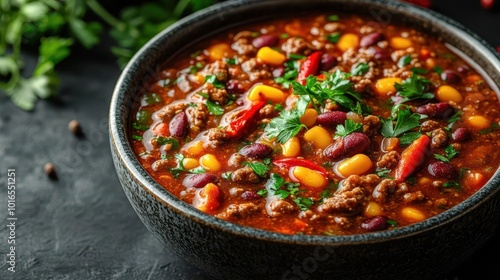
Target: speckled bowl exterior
[{"x": 425, "y": 250}]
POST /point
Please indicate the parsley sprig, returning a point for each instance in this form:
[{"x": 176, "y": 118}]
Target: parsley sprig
[
  {"x": 176, "y": 171},
  {"x": 277, "y": 186},
  {"x": 336, "y": 87},
  {"x": 414, "y": 88},
  {"x": 449, "y": 153},
  {"x": 402, "y": 123},
  {"x": 349, "y": 127}
]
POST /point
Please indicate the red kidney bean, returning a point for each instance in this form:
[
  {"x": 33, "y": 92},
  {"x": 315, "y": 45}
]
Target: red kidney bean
[
  {"x": 450, "y": 76},
  {"x": 198, "y": 180},
  {"x": 443, "y": 170},
  {"x": 331, "y": 118},
  {"x": 460, "y": 134},
  {"x": 327, "y": 62},
  {"x": 179, "y": 125},
  {"x": 439, "y": 110},
  {"x": 266, "y": 40},
  {"x": 250, "y": 195},
  {"x": 375, "y": 223},
  {"x": 371, "y": 39},
  {"x": 256, "y": 150},
  {"x": 380, "y": 54},
  {"x": 348, "y": 146},
  {"x": 463, "y": 69},
  {"x": 234, "y": 87},
  {"x": 335, "y": 151},
  {"x": 355, "y": 143}
]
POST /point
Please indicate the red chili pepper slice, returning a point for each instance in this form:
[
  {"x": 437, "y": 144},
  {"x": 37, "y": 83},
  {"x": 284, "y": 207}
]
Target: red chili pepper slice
[
  {"x": 291, "y": 162},
  {"x": 237, "y": 128},
  {"x": 309, "y": 67},
  {"x": 411, "y": 158}
]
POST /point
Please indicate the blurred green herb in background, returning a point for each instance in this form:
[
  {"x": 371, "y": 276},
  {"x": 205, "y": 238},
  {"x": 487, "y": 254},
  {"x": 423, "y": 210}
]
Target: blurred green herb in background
[{"x": 54, "y": 26}]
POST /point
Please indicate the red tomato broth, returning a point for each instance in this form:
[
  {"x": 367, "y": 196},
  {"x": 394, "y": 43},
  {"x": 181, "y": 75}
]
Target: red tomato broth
[{"x": 248, "y": 202}]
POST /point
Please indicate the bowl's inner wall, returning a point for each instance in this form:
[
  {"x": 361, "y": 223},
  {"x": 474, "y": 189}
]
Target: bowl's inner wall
[{"x": 169, "y": 44}]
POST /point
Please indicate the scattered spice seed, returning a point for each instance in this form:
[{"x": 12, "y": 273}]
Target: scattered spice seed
[
  {"x": 75, "y": 127},
  {"x": 50, "y": 170}
]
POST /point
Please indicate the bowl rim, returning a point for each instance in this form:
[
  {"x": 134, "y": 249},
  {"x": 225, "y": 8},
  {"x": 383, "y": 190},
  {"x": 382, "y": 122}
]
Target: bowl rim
[{"x": 121, "y": 146}]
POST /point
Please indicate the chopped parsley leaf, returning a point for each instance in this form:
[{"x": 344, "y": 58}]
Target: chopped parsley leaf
[
  {"x": 258, "y": 167},
  {"x": 360, "y": 69},
  {"x": 334, "y": 37},
  {"x": 438, "y": 70},
  {"x": 176, "y": 171},
  {"x": 214, "y": 108},
  {"x": 137, "y": 137},
  {"x": 405, "y": 121},
  {"x": 493, "y": 127},
  {"x": 451, "y": 184},
  {"x": 333, "y": 18},
  {"x": 404, "y": 60},
  {"x": 231, "y": 61},
  {"x": 304, "y": 203},
  {"x": 449, "y": 153},
  {"x": 349, "y": 127},
  {"x": 419, "y": 71},
  {"x": 413, "y": 88},
  {"x": 139, "y": 126},
  {"x": 212, "y": 79},
  {"x": 168, "y": 140}
]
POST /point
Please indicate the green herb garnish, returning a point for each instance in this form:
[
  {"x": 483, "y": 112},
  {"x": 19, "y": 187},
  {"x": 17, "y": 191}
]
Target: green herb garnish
[
  {"x": 168, "y": 140},
  {"x": 405, "y": 121},
  {"x": 258, "y": 167},
  {"x": 449, "y": 153},
  {"x": 360, "y": 69},
  {"x": 404, "y": 60},
  {"x": 414, "y": 88},
  {"x": 304, "y": 203},
  {"x": 334, "y": 37},
  {"x": 349, "y": 127},
  {"x": 212, "y": 79}
]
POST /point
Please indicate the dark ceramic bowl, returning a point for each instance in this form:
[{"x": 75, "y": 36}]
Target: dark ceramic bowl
[{"x": 425, "y": 250}]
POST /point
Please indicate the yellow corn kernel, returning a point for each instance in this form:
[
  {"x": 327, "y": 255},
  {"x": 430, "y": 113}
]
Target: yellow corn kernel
[
  {"x": 319, "y": 137},
  {"x": 479, "y": 122},
  {"x": 413, "y": 214},
  {"x": 308, "y": 177},
  {"x": 210, "y": 162},
  {"x": 430, "y": 63},
  {"x": 263, "y": 92},
  {"x": 270, "y": 56},
  {"x": 447, "y": 93},
  {"x": 385, "y": 86},
  {"x": 190, "y": 163},
  {"x": 291, "y": 148},
  {"x": 348, "y": 41},
  {"x": 195, "y": 148},
  {"x": 309, "y": 117},
  {"x": 356, "y": 165},
  {"x": 218, "y": 51},
  {"x": 424, "y": 181},
  {"x": 400, "y": 43},
  {"x": 373, "y": 209}
]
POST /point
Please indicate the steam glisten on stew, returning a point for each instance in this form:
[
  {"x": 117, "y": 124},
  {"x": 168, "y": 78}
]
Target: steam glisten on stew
[{"x": 324, "y": 125}]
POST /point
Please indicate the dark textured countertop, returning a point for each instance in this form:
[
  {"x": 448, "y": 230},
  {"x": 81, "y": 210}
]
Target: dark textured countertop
[{"x": 82, "y": 226}]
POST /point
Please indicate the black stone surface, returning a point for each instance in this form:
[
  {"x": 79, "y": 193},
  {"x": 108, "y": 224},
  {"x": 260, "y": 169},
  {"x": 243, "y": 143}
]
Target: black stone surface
[{"x": 81, "y": 226}]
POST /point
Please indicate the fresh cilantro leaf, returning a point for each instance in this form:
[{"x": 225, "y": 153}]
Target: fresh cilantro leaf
[
  {"x": 454, "y": 118},
  {"x": 383, "y": 173},
  {"x": 304, "y": 203},
  {"x": 404, "y": 60},
  {"x": 214, "y": 108},
  {"x": 413, "y": 88},
  {"x": 451, "y": 184},
  {"x": 438, "y": 70},
  {"x": 334, "y": 37},
  {"x": 137, "y": 137},
  {"x": 168, "y": 140},
  {"x": 176, "y": 171},
  {"x": 294, "y": 56},
  {"x": 360, "y": 69},
  {"x": 285, "y": 126},
  {"x": 287, "y": 78},
  {"x": 226, "y": 175},
  {"x": 258, "y": 167},
  {"x": 408, "y": 137},
  {"x": 419, "y": 71},
  {"x": 262, "y": 192},
  {"x": 493, "y": 127},
  {"x": 231, "y": 61},
  {"x": 333, "y": 18},
  {"x": 139, "y": 126},
  {"x": 212, "y": 79},
  {"x": 349, "y": 127},
  {"x": 405, "y": 121},
  {"x": 336, "y": 87}
]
